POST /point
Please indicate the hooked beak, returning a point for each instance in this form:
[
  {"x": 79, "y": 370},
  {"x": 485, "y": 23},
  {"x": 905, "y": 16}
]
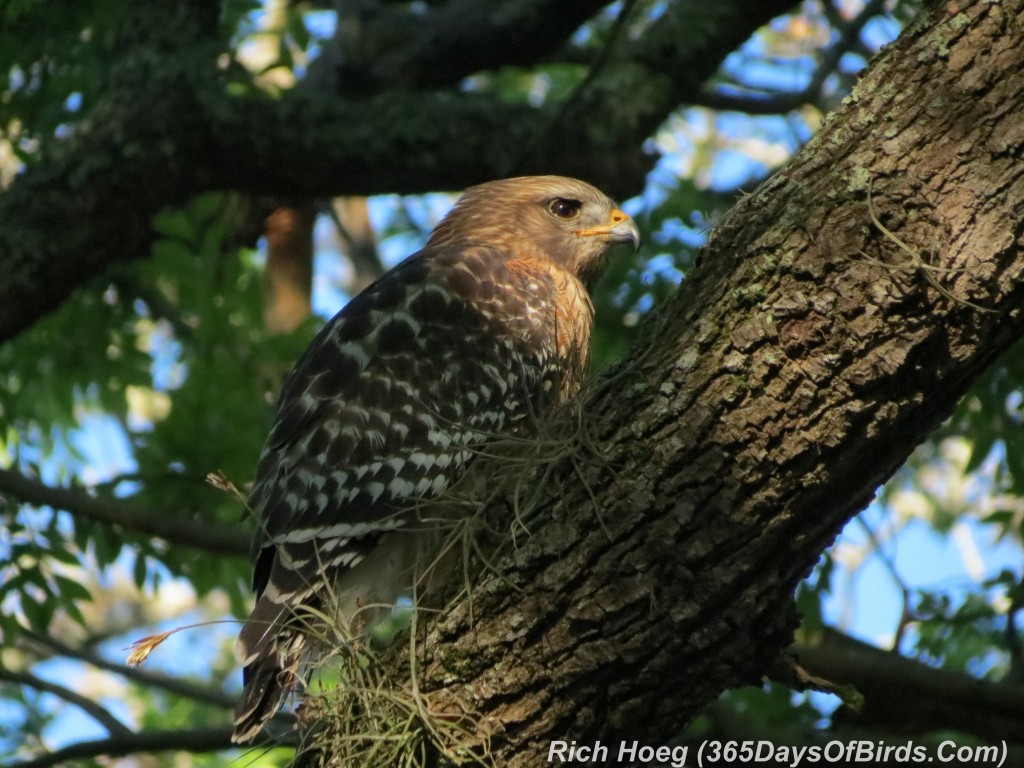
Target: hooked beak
[{"x": 620, "y": 229}]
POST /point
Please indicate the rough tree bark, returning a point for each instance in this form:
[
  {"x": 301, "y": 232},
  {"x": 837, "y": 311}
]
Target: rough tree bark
[{"x": 792, "y": 374}]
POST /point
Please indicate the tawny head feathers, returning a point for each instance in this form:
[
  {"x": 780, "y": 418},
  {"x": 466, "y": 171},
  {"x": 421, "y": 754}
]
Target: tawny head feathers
[{"x": 566, "y": 220}]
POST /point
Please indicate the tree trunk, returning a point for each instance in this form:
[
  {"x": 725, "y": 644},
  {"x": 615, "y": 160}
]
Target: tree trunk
[
  {"x": 795, "y": 370},
  {"x": 289, "y": 272}
]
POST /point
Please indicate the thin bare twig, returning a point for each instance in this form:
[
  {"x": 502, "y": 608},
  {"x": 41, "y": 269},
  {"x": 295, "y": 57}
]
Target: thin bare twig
[
  {"x": 849, "y": 36},
  {"x": 906, "y": 615},
  {"x": 596, "y": 69}
]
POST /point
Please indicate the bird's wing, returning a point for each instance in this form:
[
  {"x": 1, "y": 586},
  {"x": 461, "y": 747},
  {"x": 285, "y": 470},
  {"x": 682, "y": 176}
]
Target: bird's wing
[{"x": 388, "y": 404}]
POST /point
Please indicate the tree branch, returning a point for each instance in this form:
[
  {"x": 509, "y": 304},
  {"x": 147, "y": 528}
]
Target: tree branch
[
  {"x": 188, "y": 689},
  {"x": 689, "y": 41},
  {"x": 205, "y": 535},
  {"x": 90, "y": 202},
  {"x": 440, "y": 47},
  {"x": 194, "y": 740},
  {"x": 98, "y": 713},
  {"x": 779, "y": 103},
  {"x": 919, "y": 698},
  {"x": 597, "y": 68},
  {"x": 727, "y": 723}
]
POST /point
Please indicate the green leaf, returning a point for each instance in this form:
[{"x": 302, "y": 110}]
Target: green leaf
[
  {"x": 297, "y": 29},
  {"x": 71, "y": 589},
  {"x": 62, "y": 554},
  {"x": 175, "y": 224},
  {"x": 139, "y": 571},
  {"x": 204, "y": 208}
]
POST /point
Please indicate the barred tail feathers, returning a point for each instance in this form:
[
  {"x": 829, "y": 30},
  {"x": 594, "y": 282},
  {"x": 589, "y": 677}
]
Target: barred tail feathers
[
  {"x": 270, "y": 651},
  {"x": 275, "y": 639}
]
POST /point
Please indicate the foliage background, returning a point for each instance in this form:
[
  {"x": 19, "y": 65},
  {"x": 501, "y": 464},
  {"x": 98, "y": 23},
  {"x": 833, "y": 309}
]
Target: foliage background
[{"x": 164, "y": 370}]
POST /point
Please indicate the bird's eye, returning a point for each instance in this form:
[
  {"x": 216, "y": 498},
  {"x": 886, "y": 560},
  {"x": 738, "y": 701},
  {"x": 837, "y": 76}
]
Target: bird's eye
[{"x": 564, "y": 208}]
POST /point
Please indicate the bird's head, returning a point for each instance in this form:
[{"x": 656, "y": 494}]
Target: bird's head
[{"x": 559, "y": 218}]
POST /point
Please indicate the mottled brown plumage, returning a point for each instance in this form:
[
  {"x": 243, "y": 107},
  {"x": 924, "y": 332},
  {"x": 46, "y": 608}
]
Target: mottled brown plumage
[{"x": 470, "y": 338}]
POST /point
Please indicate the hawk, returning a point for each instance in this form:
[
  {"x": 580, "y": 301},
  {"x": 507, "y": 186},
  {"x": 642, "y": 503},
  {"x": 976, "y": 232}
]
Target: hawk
[{"x": 470, "y": 338}]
